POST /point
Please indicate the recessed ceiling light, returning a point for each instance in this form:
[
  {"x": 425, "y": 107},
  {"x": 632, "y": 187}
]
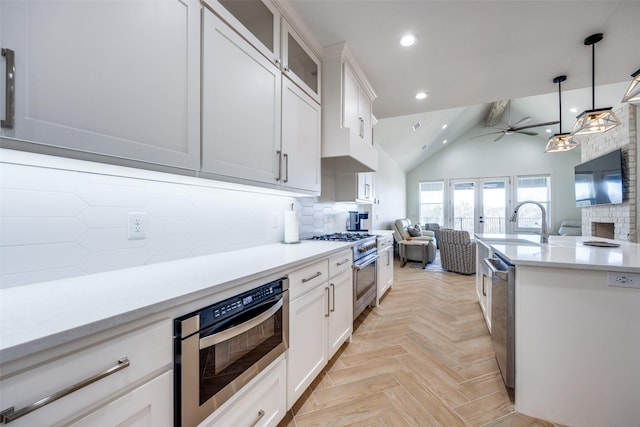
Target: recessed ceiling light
[
  {"x": 574, "y": 110},
  {"x": 444, "y": 142},
  {"x": 417, "y": 126},
  {"x": 421, "y": 95},
  {"x": 408, "y": 39},
  {"x": 444, "y": 126},
  {"x": 424, "y": 146},
  {"x": 548, "y": 130}
]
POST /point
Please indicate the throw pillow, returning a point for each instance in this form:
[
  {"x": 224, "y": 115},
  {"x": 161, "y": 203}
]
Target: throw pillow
[{"x": 414, "y": 231}]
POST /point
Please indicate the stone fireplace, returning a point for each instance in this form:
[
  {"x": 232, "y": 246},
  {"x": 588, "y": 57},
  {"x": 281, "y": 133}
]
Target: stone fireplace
[{"x": 615, "y": 221}]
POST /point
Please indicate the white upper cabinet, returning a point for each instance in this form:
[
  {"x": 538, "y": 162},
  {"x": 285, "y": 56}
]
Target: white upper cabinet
[
  {"x": 258, "y": 21},
  {"x": 300, "y": 139},
  {"x": 347, "y": 98},
  {"x": 241, "y": 107},
  {"x": 299, "y": 63},
  {"x": 114, "y": 78},
  {"x": 356, "y": 108}
]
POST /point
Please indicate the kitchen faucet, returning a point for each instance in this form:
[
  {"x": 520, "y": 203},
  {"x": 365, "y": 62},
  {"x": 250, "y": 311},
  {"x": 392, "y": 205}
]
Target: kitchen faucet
[{"x": 544, "y": 232}]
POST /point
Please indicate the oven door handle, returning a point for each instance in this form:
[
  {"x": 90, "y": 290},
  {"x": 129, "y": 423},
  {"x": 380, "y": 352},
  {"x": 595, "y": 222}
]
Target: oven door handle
[
  {"x": 239, "y": 329},
  {"x": 371, "y": 260}
]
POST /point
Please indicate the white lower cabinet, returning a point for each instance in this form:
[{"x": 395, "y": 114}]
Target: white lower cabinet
[
  {"x": 320, "y": 319},
  {"x": 385, "y": 271},
  {"x": 340, "y": 311},
  {"x": 307, "y": 341},
  {"x": 261, "y": 403},
  {"x": 135, "y": 361},
  {"x": 148, "y": 405}
]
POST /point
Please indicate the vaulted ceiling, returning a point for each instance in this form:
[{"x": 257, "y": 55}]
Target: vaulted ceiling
[{"x": 471, "y": 53}]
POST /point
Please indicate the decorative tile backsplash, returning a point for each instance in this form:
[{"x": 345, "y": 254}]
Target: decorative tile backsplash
[
  {"x": 624, "y": 136},
  {"x": 58, "y": 223}
]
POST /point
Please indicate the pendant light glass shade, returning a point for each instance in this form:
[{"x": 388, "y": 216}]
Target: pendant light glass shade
[
  {"x": 560, "y": 141},
  {"x": 594, "y": 120},
  {"x": 633, "y": 93}
]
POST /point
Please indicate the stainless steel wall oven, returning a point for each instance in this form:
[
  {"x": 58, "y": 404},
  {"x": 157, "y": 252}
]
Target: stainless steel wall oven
[{"x": 220, "y": 348}]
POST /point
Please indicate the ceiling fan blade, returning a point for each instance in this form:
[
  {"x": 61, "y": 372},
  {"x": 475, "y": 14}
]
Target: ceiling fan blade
[
  {"x": 524, "y": 132},
  {"x": 522, "y": 121},
  {"x": 499, "y": 138},
  {"x": 535, "y": 125},
  {"x": 485, "y": 134}
]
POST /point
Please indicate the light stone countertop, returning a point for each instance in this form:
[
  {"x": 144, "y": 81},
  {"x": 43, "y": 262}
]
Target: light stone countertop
[
  {"x": 564, "y": 252},
  {"x": 36, "y": 317}
]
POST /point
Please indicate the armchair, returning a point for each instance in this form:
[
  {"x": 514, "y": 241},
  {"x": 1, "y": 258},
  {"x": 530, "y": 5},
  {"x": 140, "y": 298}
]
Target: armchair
[
  {"x": 457, "y": 251},
  {"x": 413, "y": 248},
  {"x": 435, "y": 227}
]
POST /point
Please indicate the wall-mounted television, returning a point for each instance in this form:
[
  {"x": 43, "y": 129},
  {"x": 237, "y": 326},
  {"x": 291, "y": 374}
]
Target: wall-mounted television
[{"x": 599, "y": 180}]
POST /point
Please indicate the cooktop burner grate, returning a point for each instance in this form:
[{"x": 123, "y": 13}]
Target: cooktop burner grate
[{"x": 342, "y": 237}]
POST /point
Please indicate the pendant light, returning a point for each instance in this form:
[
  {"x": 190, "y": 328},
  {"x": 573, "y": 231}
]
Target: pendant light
[
  {"x": 600, "y": 120},
  {"x": 560, "y": 141},
  {"x": 633, "y": 93}
]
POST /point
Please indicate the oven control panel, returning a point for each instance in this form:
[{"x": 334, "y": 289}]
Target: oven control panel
[{"x": 231, "y": 306}]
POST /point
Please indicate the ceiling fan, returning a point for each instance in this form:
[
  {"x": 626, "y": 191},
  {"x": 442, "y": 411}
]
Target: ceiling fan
[{"x": 517, "y": 127}]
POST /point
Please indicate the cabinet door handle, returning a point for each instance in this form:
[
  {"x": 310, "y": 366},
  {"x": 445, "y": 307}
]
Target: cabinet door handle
[
  {"x": 260, "y": 415},
  {"x": 388, "y": 257},
  {"x": 361, "y": 127},
  {"x": 484, "y": 290},
  {"x": 343, "y": 262},
  {"x": 328, "y": 302},
  {"x": 286, "y": 69},
  {"x": 279, "y": 154},
  {"x": 10, "y": 86},
  {"x": 286, "y": 168},
  {"x": 318, "y": 274},
  {"x": 10, "y": 414},
  {"x": 333, "y": 297}
]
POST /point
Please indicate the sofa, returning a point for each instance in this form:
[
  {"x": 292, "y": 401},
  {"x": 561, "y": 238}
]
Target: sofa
[
  {"x": 570, "y": 227},
  {"x": 418, "y": 244}
]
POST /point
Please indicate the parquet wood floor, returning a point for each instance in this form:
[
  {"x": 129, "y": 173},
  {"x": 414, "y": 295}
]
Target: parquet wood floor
[{"x": 421, "y": 358}]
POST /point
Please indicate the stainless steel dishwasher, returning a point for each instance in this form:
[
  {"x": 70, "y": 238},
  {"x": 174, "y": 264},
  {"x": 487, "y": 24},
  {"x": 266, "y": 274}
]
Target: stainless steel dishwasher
[{"x": 503, "y": 280}]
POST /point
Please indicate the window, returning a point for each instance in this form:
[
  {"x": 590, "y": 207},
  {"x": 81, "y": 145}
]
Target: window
[
  {"x": 536, "y": 189},
  {"x": 432, "y": 202}
]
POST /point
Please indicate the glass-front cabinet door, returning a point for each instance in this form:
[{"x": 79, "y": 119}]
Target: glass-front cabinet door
[
  {"x": 258, "y": 21},
  {"x": 299, "y": 63}
]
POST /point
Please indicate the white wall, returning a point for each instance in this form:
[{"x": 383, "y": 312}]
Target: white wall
[
  {"x": 513, "y": 155},
  {"x": 390, "y": 191}
]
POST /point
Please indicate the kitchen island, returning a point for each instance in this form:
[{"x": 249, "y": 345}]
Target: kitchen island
[{"x": 577, "y": 328}]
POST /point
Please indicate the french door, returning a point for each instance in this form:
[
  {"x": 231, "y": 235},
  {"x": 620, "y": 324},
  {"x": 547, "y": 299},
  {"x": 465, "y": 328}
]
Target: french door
[{"x": 479, "y": 205}]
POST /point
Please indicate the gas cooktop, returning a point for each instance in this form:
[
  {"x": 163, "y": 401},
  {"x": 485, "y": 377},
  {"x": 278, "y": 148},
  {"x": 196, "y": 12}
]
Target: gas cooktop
[{"x": 343, "y": 237}]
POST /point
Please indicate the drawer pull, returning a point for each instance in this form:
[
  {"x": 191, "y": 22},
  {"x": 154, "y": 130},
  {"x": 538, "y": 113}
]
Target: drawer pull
[
  {"x": 343, "y": 262},
  {"x": 260, "y": 415},
  {"x": 318, "y": 274},
  {"x": 10, "y": 83},
  {"x": 10, "y": 414}
]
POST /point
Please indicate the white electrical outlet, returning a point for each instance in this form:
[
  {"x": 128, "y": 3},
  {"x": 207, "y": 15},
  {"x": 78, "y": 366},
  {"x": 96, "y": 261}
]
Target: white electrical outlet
[
  {"x": 624, "y": 280},
  {"x": 137, "y": 225}
]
